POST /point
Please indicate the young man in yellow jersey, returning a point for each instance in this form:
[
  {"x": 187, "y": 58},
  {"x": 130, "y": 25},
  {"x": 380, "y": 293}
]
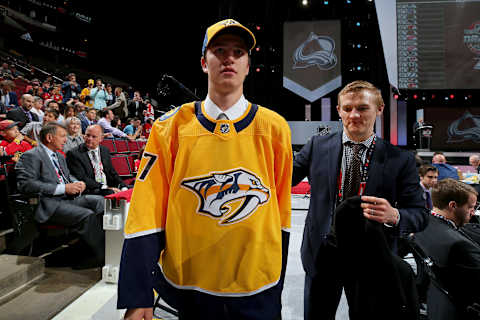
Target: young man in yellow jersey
[{"x": 210, "y": 212}]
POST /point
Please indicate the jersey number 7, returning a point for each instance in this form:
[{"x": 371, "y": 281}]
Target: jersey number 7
[{"x": 148, "y": 166}]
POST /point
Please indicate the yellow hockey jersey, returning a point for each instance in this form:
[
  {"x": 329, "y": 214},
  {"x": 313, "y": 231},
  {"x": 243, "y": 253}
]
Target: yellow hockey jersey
[{"x": 221, "y": 191}]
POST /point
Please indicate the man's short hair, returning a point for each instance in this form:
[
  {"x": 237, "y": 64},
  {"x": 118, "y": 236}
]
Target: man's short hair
[
  {"x": 104, "y": 112},
  {"x": 448, "y": 190},
  {"x": 52, "y": 111},
  {"x": 423, "y": 170},
  {"x": 52, "y": 101},
  {"x": 50, "y": 128},
  {"x": 71, "y": 75},
  {"x": 36, "y": 99},
  {"x": 96, "y": 126},
  {"x": 359, "y": 85}
]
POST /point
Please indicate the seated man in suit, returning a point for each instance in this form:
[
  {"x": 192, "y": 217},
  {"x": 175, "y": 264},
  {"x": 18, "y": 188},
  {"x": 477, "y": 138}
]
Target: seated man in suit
[
  {"x": 455, "y": 255},
  {"x": 92, "y": 163},
  {"x": 23, "y": 115},
  {"x": 43, "y": 170}
]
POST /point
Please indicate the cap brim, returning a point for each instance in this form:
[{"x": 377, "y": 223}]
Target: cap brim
[
  {"x": 10, "y": 126},
  {"x": 238, "y": 30}
]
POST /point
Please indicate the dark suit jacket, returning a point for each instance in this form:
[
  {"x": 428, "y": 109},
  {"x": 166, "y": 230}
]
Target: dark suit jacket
[
  {"x": 457, "y": 266},
  {"x": 17, "y": 114},
  {"x": 13, "y": 99},
  {"x": 381, "y": 285},
  {"x": 36, "y": 174},
  {"x": 133, "y": 112},
  {"x": 81, "y": 167},
  {"x": 392, "y": 175}
]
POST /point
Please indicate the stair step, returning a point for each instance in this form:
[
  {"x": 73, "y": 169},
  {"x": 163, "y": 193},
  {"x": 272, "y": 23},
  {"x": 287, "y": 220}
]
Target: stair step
[
  {"x": 16, "y": 271},
  {"x": 44, "y": 297},
  {"x": 3, "y": 239}
]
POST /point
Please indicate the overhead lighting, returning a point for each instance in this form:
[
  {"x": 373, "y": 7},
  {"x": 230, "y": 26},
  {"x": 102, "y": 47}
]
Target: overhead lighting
[{"x": 305, "y": 3}]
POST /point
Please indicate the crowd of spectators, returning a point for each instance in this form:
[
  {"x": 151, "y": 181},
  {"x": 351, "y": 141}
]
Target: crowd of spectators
[
  {"x": 31, "y": 103},
  {"x": 63, "y": 118}
]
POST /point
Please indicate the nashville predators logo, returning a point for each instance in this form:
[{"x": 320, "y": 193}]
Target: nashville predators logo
[{"x": 228, "y": 196}]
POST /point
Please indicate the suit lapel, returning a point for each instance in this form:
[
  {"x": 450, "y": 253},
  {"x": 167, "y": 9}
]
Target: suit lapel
[
  {"x": 375, "y": 172},
  {"x": 86, "y": 159},
  {"x": 48, "y": 162},
  {"x": 334, "y": 155}
]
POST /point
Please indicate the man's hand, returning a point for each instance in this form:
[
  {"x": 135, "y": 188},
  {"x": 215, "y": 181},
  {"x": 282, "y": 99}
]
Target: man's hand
[
  {"x": 116, "y": 190},
  {"x": 131, "y": 138},
  {"x": 74, "y": 188},
  {"x": 139, "y": 314},
  {"x": 380, "y": 210}
]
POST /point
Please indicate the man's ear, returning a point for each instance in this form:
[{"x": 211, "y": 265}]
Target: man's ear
[{"x": 203, "y": 62}]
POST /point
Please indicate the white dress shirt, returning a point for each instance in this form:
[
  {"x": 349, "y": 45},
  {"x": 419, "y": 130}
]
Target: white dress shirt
[{"x": 233, "y": 113}]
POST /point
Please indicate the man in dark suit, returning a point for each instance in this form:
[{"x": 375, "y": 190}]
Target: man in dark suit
[
  {"x": 22, "y": 114},
  {"x": 455, "y": 255},
  {"x": 91, "y": 162},
  {"x": 7, "y": 96},
  {"x": 348, "y": 163},
  {"x": 88, "y": 118},
  {"x": 43, "y": 170},
  {"x": 136, "y": 106}
]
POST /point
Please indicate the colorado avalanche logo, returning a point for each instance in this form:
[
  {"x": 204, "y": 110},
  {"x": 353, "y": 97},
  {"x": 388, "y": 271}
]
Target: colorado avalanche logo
[{"x": 228, "y": 196}]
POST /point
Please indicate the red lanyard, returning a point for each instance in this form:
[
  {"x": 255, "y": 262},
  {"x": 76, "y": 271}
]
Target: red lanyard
[{"x": 365, "y": 167}]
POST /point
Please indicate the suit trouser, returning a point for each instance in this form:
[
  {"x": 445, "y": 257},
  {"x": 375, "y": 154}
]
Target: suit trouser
[
  {"x": 84, "y": 215},
  {"x": 323, "y": 290}
]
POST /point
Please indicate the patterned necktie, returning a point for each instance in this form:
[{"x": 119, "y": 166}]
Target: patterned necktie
[
  {"x": 96, "y": 168},
  {"x": 222, "y": 116},
  {"x": 353, "y": 174},
  {"x": 59, "y": 170}
]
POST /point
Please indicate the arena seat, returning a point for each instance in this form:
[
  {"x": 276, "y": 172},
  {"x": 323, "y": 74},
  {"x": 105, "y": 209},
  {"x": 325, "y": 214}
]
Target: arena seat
[
  {"x": 110, "y": 144},
  {"x": 133, "y": 146},
  {"x": 121, "y": 146},
  {"x": 121, "y": 165}
]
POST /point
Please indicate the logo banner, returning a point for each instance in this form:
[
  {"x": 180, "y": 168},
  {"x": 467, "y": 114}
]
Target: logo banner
[{"x": 311, "y": 58}]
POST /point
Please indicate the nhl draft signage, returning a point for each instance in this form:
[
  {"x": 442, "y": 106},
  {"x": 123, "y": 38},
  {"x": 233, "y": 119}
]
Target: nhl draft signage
[{"x": 311, "y": 58}]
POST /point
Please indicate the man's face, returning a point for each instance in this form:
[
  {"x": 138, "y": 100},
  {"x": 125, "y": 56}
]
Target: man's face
[
  {"x": 91, "y": 114},
  {"x": 54, "y": 105},
  {"x": 48, "y": 117},
  {"x": 136, "y": 123},
  {"x": 73, "y": 78},
  {"x": 109, "y": 116},
  {"x": 27, "y": 102},
  {"x": 57, "y": 141},
  {"x": 358, "y": 111},
  {"x": 11, "y": 133},
  {"x": 38, "y": 104},
  {"x": 429, "y": 179},
  {"x": 473, "y": 161},
  {"x": 464, "y": 213},
  {"x": 439, "y": 158},
  {"x": 93, "y": 137},
  {"x": 226, "y": 63}
]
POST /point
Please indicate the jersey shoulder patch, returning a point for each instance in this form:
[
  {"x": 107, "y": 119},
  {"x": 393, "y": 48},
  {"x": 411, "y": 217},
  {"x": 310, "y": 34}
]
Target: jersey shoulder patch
[{"x": 169, "y": 114}]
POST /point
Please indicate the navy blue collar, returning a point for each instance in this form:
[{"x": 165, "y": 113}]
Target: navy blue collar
[{"x": 239, "y": 125}]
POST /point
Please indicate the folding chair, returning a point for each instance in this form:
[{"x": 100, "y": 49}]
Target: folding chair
[
  {"x": 121, "y": 165},
  {"x": 437, "y": 290},
  {"x": 131, "y": 163},
  {"x": 110, "y": 144},
  {"x": 141, "y": 143},
  {"x": 121, "y": 146},
  {"x": 133, "y": 146}
]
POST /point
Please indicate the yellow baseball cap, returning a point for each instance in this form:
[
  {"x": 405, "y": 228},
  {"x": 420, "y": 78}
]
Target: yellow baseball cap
[{"x": 228, "y": 26}]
